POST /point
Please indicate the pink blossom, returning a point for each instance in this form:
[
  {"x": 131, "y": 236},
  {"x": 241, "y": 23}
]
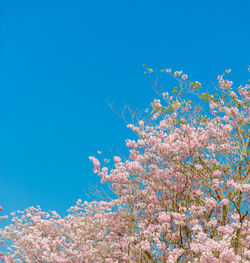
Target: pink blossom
[
  {"x": 210, "y": 202},
  {"x": 225, "y": 230},
  {"x": 163, "y": 217},
  {"x": 217, "y": 173},
  {"x": 224, "y": 201},
  {"x": 96, "y": 164},
  {"x": 234, "y": 111},
  {"x": 184, "y": 76},
  {"x": 228, "y": 128},
  {"x": 117, "y": 159},
  {"x": 177, "y": 73}
]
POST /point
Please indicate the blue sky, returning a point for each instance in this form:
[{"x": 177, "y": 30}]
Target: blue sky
[{"x": 62, "y": 61}]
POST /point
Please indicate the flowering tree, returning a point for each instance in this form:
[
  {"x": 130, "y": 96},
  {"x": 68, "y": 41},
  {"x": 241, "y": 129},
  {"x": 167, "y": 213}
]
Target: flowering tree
[
  {"x": 1, "y": 242},
  {"x": 181, "y": 196}
]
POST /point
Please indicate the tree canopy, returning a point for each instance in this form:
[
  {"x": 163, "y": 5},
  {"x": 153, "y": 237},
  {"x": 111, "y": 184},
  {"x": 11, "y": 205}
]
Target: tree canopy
[{"x": 181, "y": 195}]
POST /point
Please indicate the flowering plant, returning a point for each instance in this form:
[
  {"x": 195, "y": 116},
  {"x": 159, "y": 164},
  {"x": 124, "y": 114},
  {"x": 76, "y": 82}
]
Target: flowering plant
[{"x": 181, "y": 196}]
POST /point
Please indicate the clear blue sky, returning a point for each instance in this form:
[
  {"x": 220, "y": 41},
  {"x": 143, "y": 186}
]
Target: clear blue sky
[{"x": 62, "y": 61}]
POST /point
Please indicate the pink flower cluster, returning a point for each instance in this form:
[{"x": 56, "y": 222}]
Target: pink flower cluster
[{"x": 181, "y": 196}]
